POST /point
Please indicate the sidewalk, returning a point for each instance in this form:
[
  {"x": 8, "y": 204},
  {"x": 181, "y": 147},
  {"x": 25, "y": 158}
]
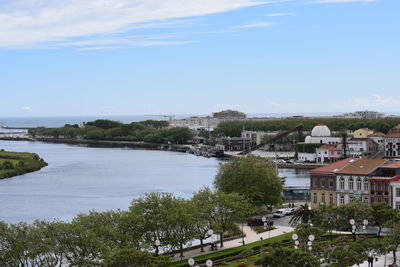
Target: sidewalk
[
  {"x": 382, "y": 262},
  {"x": 251, "y": 236}
]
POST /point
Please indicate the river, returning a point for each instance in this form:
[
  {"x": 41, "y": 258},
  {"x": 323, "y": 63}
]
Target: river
[{"x": 81, "y": 178}]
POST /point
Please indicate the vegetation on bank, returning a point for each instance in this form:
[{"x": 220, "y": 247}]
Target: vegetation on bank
[
  {"x": 16, "y": 163},
  {"x": 150, "y": 131},
  {"x": 234, "y": 128}
]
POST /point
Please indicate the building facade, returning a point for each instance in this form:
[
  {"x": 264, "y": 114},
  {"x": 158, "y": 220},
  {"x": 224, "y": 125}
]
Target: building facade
[
  {"x": 323, "y": 184},
  {"x": 328, "y": 154}
]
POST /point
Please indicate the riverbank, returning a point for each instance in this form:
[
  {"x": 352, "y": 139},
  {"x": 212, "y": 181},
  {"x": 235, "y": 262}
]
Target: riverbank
[{"x": 18, "y": 163}]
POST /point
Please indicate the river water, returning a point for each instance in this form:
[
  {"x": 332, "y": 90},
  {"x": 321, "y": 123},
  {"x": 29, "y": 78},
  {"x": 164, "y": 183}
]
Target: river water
[{"x": 81, "y": 178}]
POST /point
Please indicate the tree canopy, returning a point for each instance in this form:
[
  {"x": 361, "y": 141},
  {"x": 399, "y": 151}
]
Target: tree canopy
[{"x": 254, "y": 178}]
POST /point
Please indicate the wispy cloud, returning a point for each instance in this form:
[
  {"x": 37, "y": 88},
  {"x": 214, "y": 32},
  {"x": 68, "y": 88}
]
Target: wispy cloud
[
  {"x": 279, "y": 14},
  {"x": 30, "y": 24},
  {"x": 255, "y": 25},
  {"x": 26, "y": 108}
]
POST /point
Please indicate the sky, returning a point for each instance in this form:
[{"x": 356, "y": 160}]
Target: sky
[{"x": 131, "y": 57}]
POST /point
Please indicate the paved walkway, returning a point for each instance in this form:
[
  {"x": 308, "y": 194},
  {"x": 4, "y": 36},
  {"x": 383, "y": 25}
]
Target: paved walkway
[
  {"x": 251, "y": 236},
  {"x": 382, "y": 261}
]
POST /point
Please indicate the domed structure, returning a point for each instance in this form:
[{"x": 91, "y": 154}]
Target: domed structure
[
  {"x": 320, "y": 130},
  {"x": 308, "y": 140}
]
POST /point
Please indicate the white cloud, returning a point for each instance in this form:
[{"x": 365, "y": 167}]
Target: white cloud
[
  {"x": 31, "y": 23},
  {"x": 26, "y": 108},
  {"x": 255, "y": 25},
  {"x": 375, "y": 101},
  {"x": 279, "y": 14}
]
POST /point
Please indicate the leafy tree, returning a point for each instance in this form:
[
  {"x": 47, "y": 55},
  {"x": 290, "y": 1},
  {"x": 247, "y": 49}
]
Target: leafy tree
[
  {"x": 343, "y": 253},
  {"x": 394, "y": 240},
  {"x": 179, "y": 135},
  {"x": 96, "y": 134},
  {"x": 7, "y": 165},
  {"x": 381, "y": 214},
  {"x": 359, "y": 211},
  {"x": 129, "y": 257},
  {"x": 251, "y": 177},
  {"x": 202, "y": 208},
  {"x": 325, "y": 217},
  {"x": 104, "y": 124},
  {"x": 228, "y": 207},
  {"x": 283, "y": 257}
]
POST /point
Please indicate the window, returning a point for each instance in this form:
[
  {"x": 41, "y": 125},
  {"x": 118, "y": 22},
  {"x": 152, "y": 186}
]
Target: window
[
  {"x": 342, "y": 183},
  {"x": 323, "y": 197},
  {"x": 315, "y": 198},
  {"x": 330, "y": 198},
  {"x": 351, "y": 199},
  {"x": 359, "y": 184},
  {"x": 365, "y": 184},
  {"x": 331, "y": 183},
  {"x": 342, "y": 200},
  {"x": 398, "y": 205},
  {"x": 351, "y": 184},
  {"x": 397, "y": 192},
  {"x": 372, "y": 188},
  {"x": 366, "y": 199}
]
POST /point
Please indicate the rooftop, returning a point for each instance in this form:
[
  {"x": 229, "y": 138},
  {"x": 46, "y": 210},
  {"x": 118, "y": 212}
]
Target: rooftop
[
  {"x": 362, "y": 166},
  {"x": 377, "y": 134},
  {"x": 330, "y": 147},
  {"x": 393, "y": 135},
  {"x": 393, "y": 165},
  {"x": 332, "y": 168}
]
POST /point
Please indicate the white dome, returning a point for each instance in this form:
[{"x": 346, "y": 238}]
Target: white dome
[
  {"x": 320, "y": 130},
  {"x": 308, "y": 140}
]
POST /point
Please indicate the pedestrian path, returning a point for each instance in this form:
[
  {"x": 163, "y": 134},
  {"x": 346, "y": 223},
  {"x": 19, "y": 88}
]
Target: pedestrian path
[
  {"x": 383, "y": 261},
  {"x": 251, "y": 236}
]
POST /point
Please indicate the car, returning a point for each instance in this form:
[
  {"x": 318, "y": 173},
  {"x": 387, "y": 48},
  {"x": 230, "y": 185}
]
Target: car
[
  {"x": 279, "y": 213},
  {"x": 289, "y": 211}
]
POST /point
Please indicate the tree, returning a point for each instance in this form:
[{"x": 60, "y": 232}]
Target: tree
[
  {"x": 179, "y": 135},
  {"x": 325, "y": 217},
  {"x": 394, "y": 240},
  {"x": 129, "y": 257},
  {"x": 381, "y": 214},
  {"x": 254, "y": 178},
  {"x": 284, "y": 257},
  {"x": 228, "y": 207},
  {"x": 359, "y": 211},
  {"x": 202, "y": 208},
  {"x": 303, "y": 215},
  {"x": 342, "y": 252}
]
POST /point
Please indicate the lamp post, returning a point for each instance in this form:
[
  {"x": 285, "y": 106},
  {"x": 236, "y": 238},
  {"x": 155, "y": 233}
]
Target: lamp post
[
  {"x": 309, "y": 242},
  {"x": 354, "y": 227},
  {"x": 157, "y": 243}
]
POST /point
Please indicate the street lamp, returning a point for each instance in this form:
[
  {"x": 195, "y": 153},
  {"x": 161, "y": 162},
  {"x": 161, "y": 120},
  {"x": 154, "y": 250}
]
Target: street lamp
[
  {"x": 354, "y": 227},
  {"x": 157, "y": 243},
  {"x": 311, "y": 238},
  {"x": 209, "y": 263}
]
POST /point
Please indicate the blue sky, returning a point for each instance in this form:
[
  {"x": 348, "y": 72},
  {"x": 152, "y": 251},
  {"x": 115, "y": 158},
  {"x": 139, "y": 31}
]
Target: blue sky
[{"x": 102, "y": 57}]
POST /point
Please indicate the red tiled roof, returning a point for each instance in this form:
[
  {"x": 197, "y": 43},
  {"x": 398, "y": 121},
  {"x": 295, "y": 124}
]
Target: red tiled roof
[
  {"x": 332, "y": 168},
  {"x": 395, "y": 179},
  {"x": 330, "y": 147},
  {"x": 377, "y": 134},
  {"x": 393, "y": 165},
  {"x": 393, "y": 135},
  {"x": 380, "y": 178},
  {"x": 362, "y": 166}
]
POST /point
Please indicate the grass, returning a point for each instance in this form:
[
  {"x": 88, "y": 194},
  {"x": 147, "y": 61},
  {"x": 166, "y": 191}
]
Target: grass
[
  {"x": 21, "y": 163},
  {"x": 228, "y": 253}
]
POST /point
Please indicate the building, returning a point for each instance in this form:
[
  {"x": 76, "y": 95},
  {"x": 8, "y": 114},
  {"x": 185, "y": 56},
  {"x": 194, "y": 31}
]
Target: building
[
  {"x": 256, "y": 136},
  {"x": 353, "y": 180},
  {"x": 235, "y": 143},
  {"x": 321, "y": 134},
  {"x": 382, "y": 183},
  {"x": 307, "y": 157},
  {"x": 362, "y": 133},
  {"x": 361, "y": 147},
  {"x": 323, "y": 183},
  {"x": 328, "y": 153},
  {"x": 229, "y": 114},
  {"x": 392, "y": 143},
  {"x": 365, "y": 114},
  {"x": 379, "y": 139},
  {"x": 395, "y": 192}
]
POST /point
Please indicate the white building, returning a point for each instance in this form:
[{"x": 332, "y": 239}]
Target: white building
[
  {"x": 379, "y": 139},
  {"x": 364, "y": 114},
  {"x": 361, "y": 147},
  {"x": 392, "y": 143},
  {"x": 307, "y": 157},
  {"x": 321, "y": 134},
  {"x": 352, "y": 181},
  {"x": 328, "y": 153},
  {"x": 395, "y": 192}
]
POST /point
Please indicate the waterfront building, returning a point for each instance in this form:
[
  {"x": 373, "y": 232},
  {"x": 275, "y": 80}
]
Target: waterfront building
[
  {"x": 353, "y": 180},
  {"x": 392, "y": 143},
  {"x": 361, "y": 147},
  {"x": 235, "y": 143},
  {"x": 362, "y": 133},
  {"x": 328, "y": 153},
  {"x": 323, "y": 183},
  {"x": 307, "y": 157},
  {"x": 321, "y": 134},
  {"x": 378, "y": 138}
]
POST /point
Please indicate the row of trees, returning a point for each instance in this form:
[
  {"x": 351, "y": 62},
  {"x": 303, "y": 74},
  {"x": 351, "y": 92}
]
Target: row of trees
[
  {"x": 149, "y": 131},
  {"x": 153, "y": 224},
  {"x": 234, "y": 128}
]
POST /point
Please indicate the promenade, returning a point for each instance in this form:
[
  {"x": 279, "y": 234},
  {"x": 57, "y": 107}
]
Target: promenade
[{"x": 251, "y": 236}]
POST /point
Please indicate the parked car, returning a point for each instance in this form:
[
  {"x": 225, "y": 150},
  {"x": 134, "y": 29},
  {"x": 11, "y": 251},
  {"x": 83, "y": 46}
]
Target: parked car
[
  {"x": 279, "y": 213},
  {"x": 255, "y": 222}
]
